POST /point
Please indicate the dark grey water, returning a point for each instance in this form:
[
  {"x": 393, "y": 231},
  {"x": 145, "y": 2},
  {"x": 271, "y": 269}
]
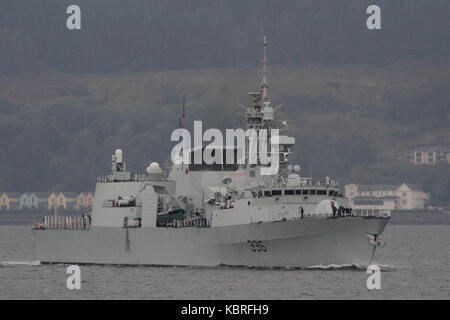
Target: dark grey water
[{"x": 415, "y": 265}]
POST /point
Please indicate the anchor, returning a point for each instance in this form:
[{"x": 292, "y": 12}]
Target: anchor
[{"x": 375, "y": 240}]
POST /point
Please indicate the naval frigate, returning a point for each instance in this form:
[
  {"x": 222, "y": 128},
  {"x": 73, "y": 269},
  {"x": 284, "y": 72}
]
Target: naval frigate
[{"x": 211, "y": 215}]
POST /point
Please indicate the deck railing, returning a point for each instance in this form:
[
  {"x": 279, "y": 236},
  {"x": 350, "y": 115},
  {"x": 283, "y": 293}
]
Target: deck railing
[
  {"x": 63, "y": 222},
  {"x": 374, "y": 213},
  {"x": 198, "y": 222}
]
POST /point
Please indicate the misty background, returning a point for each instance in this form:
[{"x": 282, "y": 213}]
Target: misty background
[{"x": 357, "y": 100}]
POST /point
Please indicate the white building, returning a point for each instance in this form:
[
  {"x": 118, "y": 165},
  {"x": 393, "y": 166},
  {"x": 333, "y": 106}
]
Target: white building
[
  {"x": 387, "y": 196},
  {"x": 430, "y": 155},
  {"x": 381, "y": 203}
]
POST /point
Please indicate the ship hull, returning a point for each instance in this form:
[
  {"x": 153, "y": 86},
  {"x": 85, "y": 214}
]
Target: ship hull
[{"x": 292, "y": 243}]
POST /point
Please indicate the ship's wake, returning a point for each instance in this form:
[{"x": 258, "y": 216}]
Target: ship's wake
[
  {"x": 20, "y": 263},
  {"x": 353, "y": 266}
]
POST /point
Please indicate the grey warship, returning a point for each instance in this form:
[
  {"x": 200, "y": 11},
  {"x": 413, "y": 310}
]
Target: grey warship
[{"x": 211, "y": 215}]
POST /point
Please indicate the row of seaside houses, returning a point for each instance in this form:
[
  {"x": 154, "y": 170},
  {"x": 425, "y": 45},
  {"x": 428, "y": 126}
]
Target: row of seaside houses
[{"x": 45, "y": 200}]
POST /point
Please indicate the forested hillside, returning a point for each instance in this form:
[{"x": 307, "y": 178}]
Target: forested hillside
[
  {"x": 357, "y": 101},
  {"x": 58, "y": 130},
  {"x": 174, "y": 34}
]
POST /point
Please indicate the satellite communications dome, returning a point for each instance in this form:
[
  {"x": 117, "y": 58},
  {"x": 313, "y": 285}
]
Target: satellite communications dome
[
  {"x": 153, "y": 168},
  {"x": 154, "y": 171}
]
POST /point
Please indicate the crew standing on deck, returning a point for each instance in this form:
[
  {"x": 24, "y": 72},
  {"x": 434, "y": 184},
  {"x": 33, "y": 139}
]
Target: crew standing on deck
[{"x": 333, "y": 207}]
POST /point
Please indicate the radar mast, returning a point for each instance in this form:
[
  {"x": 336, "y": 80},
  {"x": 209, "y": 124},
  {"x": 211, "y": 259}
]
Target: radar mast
[{"x": 261, "y": 115}]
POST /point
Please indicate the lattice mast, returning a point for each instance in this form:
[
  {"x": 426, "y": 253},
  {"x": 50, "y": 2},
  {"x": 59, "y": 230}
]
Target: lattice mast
[{"x": 260, "y": 114}]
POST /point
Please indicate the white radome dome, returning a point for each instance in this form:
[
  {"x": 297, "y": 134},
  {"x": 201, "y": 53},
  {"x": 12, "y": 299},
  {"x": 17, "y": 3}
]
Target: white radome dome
[
  {"x": 153, "y": 168},
  {"x": 154, "y": 165}
]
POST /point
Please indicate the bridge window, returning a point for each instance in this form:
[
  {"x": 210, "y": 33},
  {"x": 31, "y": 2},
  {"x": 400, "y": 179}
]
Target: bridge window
[
  {"x": 289, "y": 192},
  {"x": 305, "y": 191},
  {"x": 276, "y": 192},
  {"x": 312, "y": 192},
  {"x": 321, "y": 192},
  {"x": 267, "y": 193},
  {"x": 298, "y": 191}
]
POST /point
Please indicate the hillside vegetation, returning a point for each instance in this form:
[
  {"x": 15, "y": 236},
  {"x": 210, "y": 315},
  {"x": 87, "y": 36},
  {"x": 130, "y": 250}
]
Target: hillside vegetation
[{"x": 355, "y": 122}]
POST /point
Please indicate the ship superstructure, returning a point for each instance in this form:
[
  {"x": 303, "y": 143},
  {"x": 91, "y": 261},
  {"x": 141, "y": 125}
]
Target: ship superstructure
[{"x": 217, "y": 214}]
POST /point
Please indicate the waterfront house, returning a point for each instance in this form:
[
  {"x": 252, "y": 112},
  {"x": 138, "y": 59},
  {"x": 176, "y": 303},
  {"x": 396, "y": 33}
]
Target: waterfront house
[
  {"x": 430, "y": 155},
  {"x": 34, "y": 200},
  {"x": 85, "y": 200},
  {"x": 381, "y": 203},
  {"x": 9, "y": 200},
  {"x": 402, "y": 196},
  {"x": 62, "y": 200}
]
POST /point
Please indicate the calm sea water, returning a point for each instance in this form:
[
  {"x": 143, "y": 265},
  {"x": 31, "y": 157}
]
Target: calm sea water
[{"x": 415, "y": 265}]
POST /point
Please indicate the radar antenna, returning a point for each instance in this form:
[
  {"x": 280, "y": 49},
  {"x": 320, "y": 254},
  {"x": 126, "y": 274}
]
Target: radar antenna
[
  {"x": 264, "y": 82},
  {"x": 183, "y": 111}
]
